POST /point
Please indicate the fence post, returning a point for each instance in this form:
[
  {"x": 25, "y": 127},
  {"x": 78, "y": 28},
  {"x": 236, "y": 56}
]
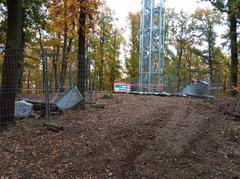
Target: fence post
[{"x": 46, "y": 89}]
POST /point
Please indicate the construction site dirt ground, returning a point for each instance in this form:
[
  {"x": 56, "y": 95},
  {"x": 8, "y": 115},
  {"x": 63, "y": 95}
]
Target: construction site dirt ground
[{"x": 133, "y": 136}]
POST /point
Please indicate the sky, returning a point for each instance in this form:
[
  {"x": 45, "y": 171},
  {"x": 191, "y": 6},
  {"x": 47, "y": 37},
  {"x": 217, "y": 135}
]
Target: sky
[{"x": 123, "y": 7}]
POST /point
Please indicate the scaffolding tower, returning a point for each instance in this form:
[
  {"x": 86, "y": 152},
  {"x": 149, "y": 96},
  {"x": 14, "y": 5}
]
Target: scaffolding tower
[{"x": 152, "y": 36}]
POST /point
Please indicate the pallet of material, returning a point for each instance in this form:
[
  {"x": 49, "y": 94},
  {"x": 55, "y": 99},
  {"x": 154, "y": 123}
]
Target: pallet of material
[{"x": 41, "y": 106}]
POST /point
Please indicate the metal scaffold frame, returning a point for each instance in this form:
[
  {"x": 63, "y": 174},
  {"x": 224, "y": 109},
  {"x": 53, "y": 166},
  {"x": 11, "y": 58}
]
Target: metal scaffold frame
[{"x": 152, "y": 37}]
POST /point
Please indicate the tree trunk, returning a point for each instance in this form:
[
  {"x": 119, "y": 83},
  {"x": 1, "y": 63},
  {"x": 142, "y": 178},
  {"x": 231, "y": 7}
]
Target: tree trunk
[
  {"x": 190, "y": 65},
  {"x": 210, "y": 67},
  {"x": 55, "y": 65},
  {"x": 64, "y": 57},
  {"x": 101, "y": 70},
  {"x": 224, "y": 85},
  {"x": 42, "y": 53},
  {"x": 12, "y": 62},
  {"x": 234, "y": 52},
  {"x": 64, "y": 64},
  {"x": 28, "y": 81},
  {"x": 21, "y": 71},
  {"x": 178, "y": 69},
  {"x": 210, "y": 59},
  {"x": 68, "y": 51},
  {"x": 101, "y": 85},
  {"x": 71, "y": 74},
  {"x": 112, "y": 72},
  {"x": 81, "y": 51},
  {"x": 112, "y": 78}
]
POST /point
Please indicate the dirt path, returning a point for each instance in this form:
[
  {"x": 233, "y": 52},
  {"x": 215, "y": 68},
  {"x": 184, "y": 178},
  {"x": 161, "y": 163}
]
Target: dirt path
[{"x": 133, "y": 137}]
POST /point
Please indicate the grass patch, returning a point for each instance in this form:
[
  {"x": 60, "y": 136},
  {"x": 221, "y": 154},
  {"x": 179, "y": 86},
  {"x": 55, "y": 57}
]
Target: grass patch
[
  {"x": 53, "y": 126},
  {"x": 98, "y": 106},
  {"x": 207, "y": 104}
]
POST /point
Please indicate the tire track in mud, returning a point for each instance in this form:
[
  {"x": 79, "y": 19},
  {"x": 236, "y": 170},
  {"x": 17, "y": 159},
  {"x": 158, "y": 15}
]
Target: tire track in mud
[
  {"x": 183, "y": 126},
  {"x": 139, "y": 132},
  {"x": 167, "y": 128},
  {"x": 132, "y": 137},
  {"x": 130, "y": 141}
]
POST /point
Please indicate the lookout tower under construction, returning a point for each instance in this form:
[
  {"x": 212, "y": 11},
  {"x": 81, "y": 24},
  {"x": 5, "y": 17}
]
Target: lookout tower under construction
[{"x": 152, "y": 37}]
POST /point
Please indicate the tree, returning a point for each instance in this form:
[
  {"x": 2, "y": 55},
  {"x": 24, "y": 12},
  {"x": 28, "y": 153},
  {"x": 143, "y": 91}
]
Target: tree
[
  {"x": 222, "y": 68},
  {"x": 64, "y": 12},
  {"x": 33, "y": 17},
  {"x": 105, "y": 37},
  {"x": 113, "y": 55},
  {"x": 81, "y": 49},
  {"x": 206, "y": 21},
  {"x": 132, "y": 62},
  {"x": 104, "y": 49},
  {"x": 100, "y": 43},
  {"x": 180, "y": 38},
  {"x": 64, "y": 57},
  {"x": 12, "y": 61},
  {"x": 231, "y": 7},
  {"x": 183, "y": 62},
  {"x": 88, "y": 9}
]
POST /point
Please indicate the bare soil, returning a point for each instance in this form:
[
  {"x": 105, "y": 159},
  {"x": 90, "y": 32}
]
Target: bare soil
[{"x": 132, "y": 137}]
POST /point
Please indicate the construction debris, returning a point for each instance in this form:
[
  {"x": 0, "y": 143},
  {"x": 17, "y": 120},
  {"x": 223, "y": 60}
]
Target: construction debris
[
  {"x": 69, "y": 99},
  {"x": 23, "y": 109},
  {"x": 195, "y": 88}
]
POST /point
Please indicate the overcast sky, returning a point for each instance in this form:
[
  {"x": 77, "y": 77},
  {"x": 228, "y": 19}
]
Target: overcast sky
[{"x": 123, "y": 7}]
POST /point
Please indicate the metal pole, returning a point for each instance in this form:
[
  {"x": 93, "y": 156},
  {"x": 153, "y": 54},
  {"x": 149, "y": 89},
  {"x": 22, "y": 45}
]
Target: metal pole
[
  {"x": 160, "y": 48},
  {"x": 46, "y": 89},
  {"x": 151, "y": 47},
  {"x": 163, "y": 43},
  {"x": 142, "y": 31}
]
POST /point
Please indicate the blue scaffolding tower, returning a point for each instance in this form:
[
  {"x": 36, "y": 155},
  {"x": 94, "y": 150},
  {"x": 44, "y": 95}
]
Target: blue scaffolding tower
[{"x": 152, "y": 37}]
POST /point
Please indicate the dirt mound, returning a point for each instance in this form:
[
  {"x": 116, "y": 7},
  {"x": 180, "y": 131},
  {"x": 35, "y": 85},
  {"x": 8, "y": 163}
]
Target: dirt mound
[{"x": 230, "y": 107}]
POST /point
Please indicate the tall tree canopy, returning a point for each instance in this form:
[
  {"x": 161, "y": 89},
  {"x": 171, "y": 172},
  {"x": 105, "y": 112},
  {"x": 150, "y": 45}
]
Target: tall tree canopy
[
  {"x": 205, "y": 22},
  {"x": 232, "y": 8},
  {"x": 104, "y": 48},
  {"x": 132, "y": 62}
]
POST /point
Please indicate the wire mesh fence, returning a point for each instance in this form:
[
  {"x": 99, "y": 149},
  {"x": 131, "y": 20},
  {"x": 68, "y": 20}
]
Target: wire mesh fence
[
  {"x": 33, "y": 84},
  {"x": 11, "y": 69}
]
